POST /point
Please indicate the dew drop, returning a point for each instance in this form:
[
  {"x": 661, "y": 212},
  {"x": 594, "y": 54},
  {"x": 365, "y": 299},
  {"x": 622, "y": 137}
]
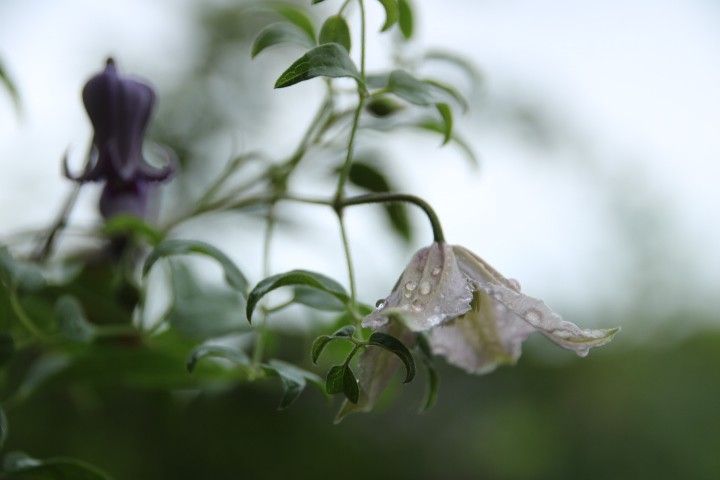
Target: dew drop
[
  {"x": 533, "y": 315},
  {"x": 380, "y": 303},
  {"x": 411, "y": 286},
  {"x": 436, "y": 271},
  {"x": 424, "y": 288}
]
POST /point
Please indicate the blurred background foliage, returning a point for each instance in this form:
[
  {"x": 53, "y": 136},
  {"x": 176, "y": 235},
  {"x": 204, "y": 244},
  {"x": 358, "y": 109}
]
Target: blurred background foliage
[{"x": 637, "y": 409}]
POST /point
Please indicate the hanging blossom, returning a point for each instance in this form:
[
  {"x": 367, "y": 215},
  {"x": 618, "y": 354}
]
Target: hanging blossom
[
  {"x": 472, "y": 315},
  {"x": 119, "y": 108}
]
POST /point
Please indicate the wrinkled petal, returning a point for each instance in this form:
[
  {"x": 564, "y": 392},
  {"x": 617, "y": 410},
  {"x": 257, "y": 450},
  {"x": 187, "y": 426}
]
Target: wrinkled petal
[
  {"x": 377, "y": 366},
  {"x": 430, "y": 291},
  {"x": 510, "y": 302},
  {"x": 482, "y": 339}
]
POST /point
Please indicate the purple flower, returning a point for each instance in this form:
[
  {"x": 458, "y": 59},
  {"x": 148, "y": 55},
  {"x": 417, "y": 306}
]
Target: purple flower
[{"x": 119, "y": 108}]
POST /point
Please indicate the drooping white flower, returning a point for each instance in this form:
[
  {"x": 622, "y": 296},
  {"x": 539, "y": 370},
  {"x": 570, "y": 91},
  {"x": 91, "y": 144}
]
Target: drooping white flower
[{"x": 473, "y": 316}]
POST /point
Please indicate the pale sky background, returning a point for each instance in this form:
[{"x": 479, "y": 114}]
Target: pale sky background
[{"x": 632, "y": 88}]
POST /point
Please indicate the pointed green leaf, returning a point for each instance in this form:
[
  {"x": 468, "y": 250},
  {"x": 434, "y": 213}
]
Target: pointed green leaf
[
  {"x": 293, "y": 380},
  {"x": 447, "y": 119},
  {"x": 392, "y": 344},
  {"x": 215, "y": 351},
  {"x": 382, "y": 106},
  {"x": 334, "y": 380},
  {"x": 409, "y": 88},
  {"x": 328, "y": 60},
  {"x": 433, "y": 125},
  {"x": 317, "y": 299},
  {"x": 370, "y": 178},
  {"x": 279, "y": 33},
  {"x": 405, "y": 17},
  {"x": 336, "y": 30},
  {"x": 297, "y": 17},
  {"x": 392, "y": 14},
  {"x": 71, "y": 320},
  {"x": 350, "y": 386},
  {"x": 451, "y": 91},
  {"x": 319, "y": 345},
  {"x": 458, "y": 61},
  {"x": 294, "y": 277},
  {"x": 233, "y": 276}
]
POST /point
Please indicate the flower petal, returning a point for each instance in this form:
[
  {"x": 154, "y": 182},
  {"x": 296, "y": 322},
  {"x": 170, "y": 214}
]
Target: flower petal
[
  {"x": 430, "y": 291},
  {"x": 482, "y": 339},
  {"x": 534, "y": 312},
  {"x": 377, "y": 366}
]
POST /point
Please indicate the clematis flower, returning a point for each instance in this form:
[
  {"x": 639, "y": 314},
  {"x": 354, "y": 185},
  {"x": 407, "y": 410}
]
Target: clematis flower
[
  {"x": 473, "y": 316},
  {"x": 119, "y": 108}
]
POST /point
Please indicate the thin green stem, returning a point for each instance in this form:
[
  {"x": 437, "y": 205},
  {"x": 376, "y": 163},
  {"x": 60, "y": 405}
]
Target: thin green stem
[
  {"x": 362, "y": 39},
  {"x": 348, "y": 261},
  {"x": 345, "y": 170},
  {"x": 261, "y": 328}
]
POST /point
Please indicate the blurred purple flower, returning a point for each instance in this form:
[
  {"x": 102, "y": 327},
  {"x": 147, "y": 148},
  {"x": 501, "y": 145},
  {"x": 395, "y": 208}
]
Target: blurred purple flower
[{"x": 119, "y": 108}]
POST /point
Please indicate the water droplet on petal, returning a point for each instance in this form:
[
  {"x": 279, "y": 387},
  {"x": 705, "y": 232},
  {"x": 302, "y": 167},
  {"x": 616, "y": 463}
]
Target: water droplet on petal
[
  {"x": 411, "y": 286},
  {"x": 514, "y": 284},
  {"x": 436, "y": 271},
  {"x": 380, "y": 303},
  {"x": 533, "y": 315},
  {"x": 425, "y": 288},
  {"x": 416, "y": 306}
]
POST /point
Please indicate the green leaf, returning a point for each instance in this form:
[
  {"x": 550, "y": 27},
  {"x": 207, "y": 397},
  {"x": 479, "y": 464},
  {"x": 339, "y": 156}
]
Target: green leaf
[
  {"x": 130, "y": 224},
  {"x": 409, "y": 88},
  {"x": 7, "y": 348},
  {"x": 279, "y": 33},
  {"x": 71, "y": 320},
  {"x": 215, "y": 351},
  {"x": 321, "y": 342},
  {"x": 294, "y": 277},
  {"x": 233, "y": 275},
  {"x": 317, "y": 299},
  {"x": 19, "y": 466},
  {"x": 297, "y": 17},
  {"x": 293, "y": 380},
  {"x": 405, "y": 17},
  {"x": 334, "y": 382},
  {"x": 9, "y": 85},
  {"x": 328, "y": 60},
  {"x": 3, "y": 428},
  {"x": 200, "y": 312},
  {"x": 368, "y": 177},
  {"x": 350, "y": 386},
  {"x": 447, "y": 121},
  {"x": 20, "y": 274},
  {"x": 336, "y": 30},
  {"x": 392, "y": 14},
  {"x": 317, "y": 1},
  {"x": 432, "y": 125},
  {"x": 392, "y": 344},
  {"x": 433, "y": 382},
  {"x": 451, "y": 91},
  {"x": 456, "y": 60}
]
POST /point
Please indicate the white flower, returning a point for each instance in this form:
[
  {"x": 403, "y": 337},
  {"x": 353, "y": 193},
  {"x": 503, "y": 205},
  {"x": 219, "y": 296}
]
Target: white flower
[{"x": 473, "y": 316}]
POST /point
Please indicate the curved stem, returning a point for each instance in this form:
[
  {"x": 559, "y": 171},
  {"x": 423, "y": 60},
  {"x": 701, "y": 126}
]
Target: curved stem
[
  {"x": 400, "y": 197},
  {"x": 349, "y": 262}
]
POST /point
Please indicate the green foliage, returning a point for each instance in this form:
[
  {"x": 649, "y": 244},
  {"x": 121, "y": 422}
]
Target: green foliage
[
  {"x": 392, "y": 14},
  {"x": 280, "y": 33},
  {"x": 406, "y": 18},
  {"x": 336, "y": 30},
  {"x": 233, "y": 275},
  {"x": 131, "y": 225},
  {"x": 321, "y": 342},
  {"x": 328, "y": 60},
  {"x": 305, "y": 278},
  {"x": 393, "y": 345},
  {"x": 7, "y": 348},
  {"x": 71, "y": 320},
  {"x": 20, "y": 274}
]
